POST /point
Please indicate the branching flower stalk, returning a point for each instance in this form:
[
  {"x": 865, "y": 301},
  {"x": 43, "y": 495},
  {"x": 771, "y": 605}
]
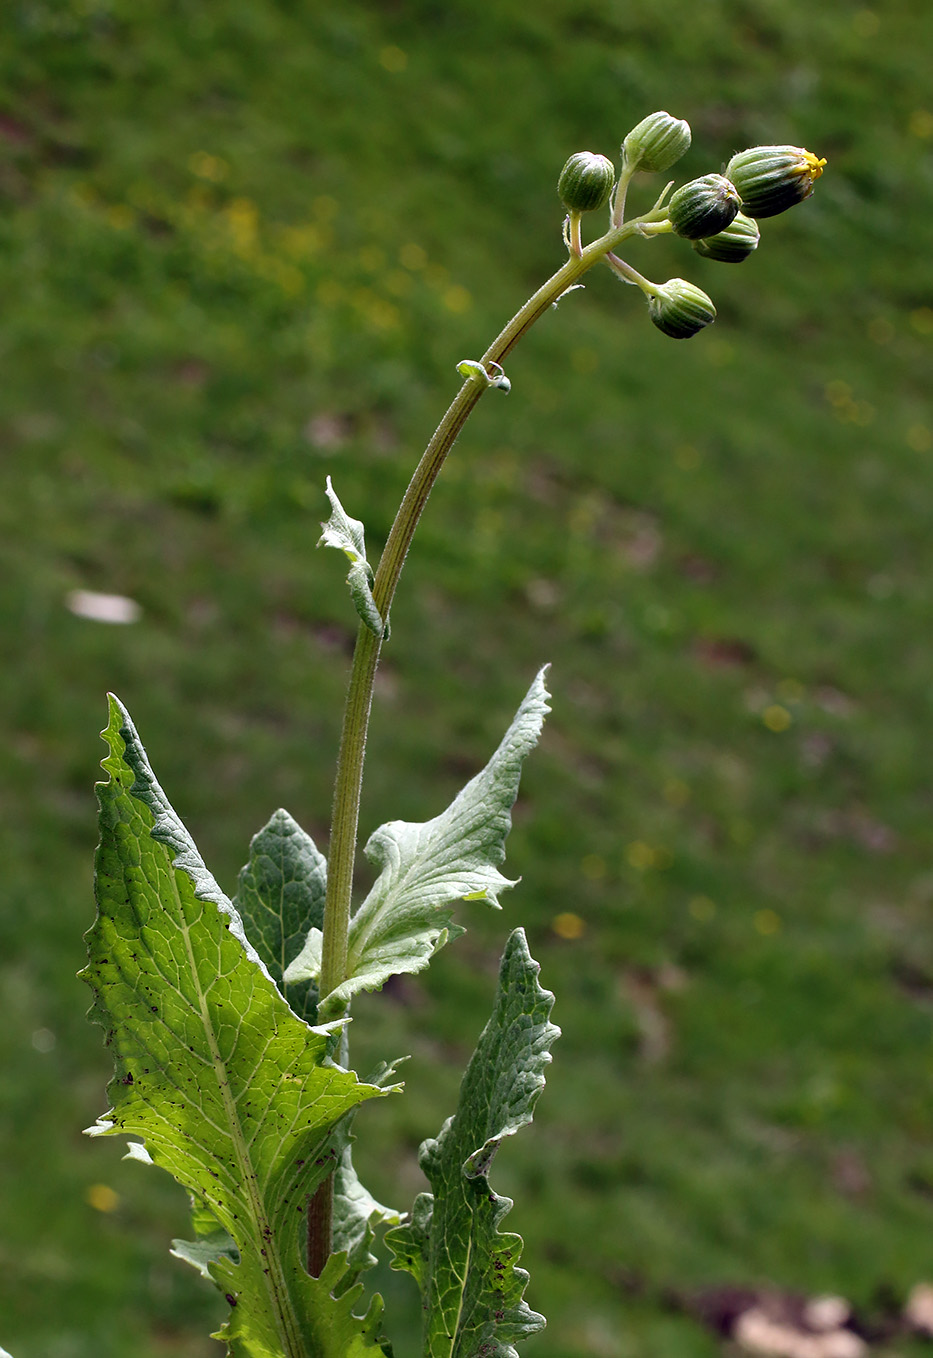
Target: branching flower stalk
[
  {"x": 586, "y": 184},
  {"x": 225, "y": 1016},
  {"x": 369, "y": 644}
]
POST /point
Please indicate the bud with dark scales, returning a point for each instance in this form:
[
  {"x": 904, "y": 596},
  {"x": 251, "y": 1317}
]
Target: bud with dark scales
[
  {"x": 770, "y": 179},
  {"x": 586, "y": 182},
  {"x": 680, "y": 309},
  {"x": 703, "y": 207},
  {"x": 656, "y": 142},
  {"x": 739, "y": 239}
]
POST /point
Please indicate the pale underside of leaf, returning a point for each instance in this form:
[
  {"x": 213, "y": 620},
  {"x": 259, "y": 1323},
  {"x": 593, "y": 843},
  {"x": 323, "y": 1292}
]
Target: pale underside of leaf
[
  {"x": 426, "y": 868},
  {"x": 205, "y": 1251},
  {"x": 232, "y": 1093},
  {"x": 348, "y": 536},
  {"x": 357, "y": 1214},
  {"x": 211, "y": 1242},
  {"x": 466, "y": 1268}
]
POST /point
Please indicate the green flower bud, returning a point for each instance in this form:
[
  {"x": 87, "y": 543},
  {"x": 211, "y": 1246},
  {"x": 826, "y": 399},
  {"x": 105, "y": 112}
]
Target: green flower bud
[
  {"x": 680, "y": 309},
  {"x": 586, "y": 182},
  {"x": 733, "y": 244},
  {"x": 703, "y": 207},
  {"x": 657, "y": 142},
  {"x": 770, "y": 179}
]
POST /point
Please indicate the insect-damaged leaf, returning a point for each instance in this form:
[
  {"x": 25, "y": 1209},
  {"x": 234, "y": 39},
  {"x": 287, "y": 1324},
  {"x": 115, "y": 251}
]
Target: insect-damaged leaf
[{"x": 233, "y": 1094}]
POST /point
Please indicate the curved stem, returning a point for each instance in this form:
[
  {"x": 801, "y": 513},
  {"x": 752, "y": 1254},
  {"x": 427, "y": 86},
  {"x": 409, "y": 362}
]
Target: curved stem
[
  {"x": 618, "y": 202},
  {"x": 630, "y": 275},
  {"x": 576, "y": 239},
  {"x": 342, "y": 848}
]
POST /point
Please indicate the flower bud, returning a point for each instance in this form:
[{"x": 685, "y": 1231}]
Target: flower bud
[
  {"x": 586, "y": 182},
  {"x": 770, "y": 179},
  {"x": 703, "y": 207},
  {"x": 657, "y": 142},
  {"x": 680, "y": 309},
  {"x": 732, "y": 245}
]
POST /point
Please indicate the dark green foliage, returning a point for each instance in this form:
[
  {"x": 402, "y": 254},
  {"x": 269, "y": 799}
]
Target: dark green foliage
[{"x": 280, "y": 896}]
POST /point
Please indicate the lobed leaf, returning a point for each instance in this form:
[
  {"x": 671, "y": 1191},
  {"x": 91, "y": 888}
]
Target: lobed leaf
[
  {"x": 426, "y": 868},
  {"x": 205, "y": 1251},
  {"x": 356, "y": 1211},
  {"x": 466, "y": 1268},
  {"x": 281, "y": 891},
  {"x": 356, "y": 1214},
  {"x": 211, "y": 1242},
  {"x": 233, "y": 1093}
]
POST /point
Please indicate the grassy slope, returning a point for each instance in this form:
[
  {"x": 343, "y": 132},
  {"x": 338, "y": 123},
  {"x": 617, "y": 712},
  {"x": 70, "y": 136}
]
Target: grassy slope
[{"x": 244, "y": 247}]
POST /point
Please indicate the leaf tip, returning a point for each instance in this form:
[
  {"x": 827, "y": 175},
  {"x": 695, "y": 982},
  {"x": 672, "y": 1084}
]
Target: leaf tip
[
  {"x": 102, "y": 1127},
  {"x": 113, "y": 736}
]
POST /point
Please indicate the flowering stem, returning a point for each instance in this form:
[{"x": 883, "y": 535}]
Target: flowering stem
[{"x": 342, "y": 849}]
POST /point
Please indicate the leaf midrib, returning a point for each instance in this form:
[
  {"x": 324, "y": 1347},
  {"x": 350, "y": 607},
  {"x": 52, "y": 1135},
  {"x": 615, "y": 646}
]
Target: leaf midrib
[
  {"x": 463, "y": 1282},
  {"x": 265, "y": 1245}
]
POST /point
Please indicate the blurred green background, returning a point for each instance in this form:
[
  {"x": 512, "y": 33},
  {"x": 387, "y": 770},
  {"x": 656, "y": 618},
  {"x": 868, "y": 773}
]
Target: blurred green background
[{"x": 243, "y": 246}]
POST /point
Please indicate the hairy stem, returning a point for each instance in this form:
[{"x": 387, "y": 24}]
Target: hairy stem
[
  {"x": 342, "y": 849},
  {"x": 630, "y": 275}
]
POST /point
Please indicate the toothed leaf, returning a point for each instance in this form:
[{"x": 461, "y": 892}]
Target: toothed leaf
[
  {"x": 426, "y": 868},
  {"x": 466, "y": 1268},
  {"x": 356, "y": 1214},
  {"x": 356, "y": 1211},
  {"x": 233, "y": 1094}
]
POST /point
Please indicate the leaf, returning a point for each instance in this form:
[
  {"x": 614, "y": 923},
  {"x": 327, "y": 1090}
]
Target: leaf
[
  {"x": 211, "y": 1240},
  {"x": 280, "y": 896},
  {"x": 425, "y": 868},
  {"x": 471, "y": 1288},
  {"x": 206, "y": 1251},
  {"x": 346, "y": 535},
  {"x": 211, "y": 1243},
  {"x": 356, "y": 1213},
  {"x": 234, "y": 1095}
]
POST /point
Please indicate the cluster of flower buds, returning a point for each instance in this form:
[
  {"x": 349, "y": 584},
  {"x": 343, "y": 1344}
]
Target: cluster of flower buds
[{"x": 717, "y": 213}]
